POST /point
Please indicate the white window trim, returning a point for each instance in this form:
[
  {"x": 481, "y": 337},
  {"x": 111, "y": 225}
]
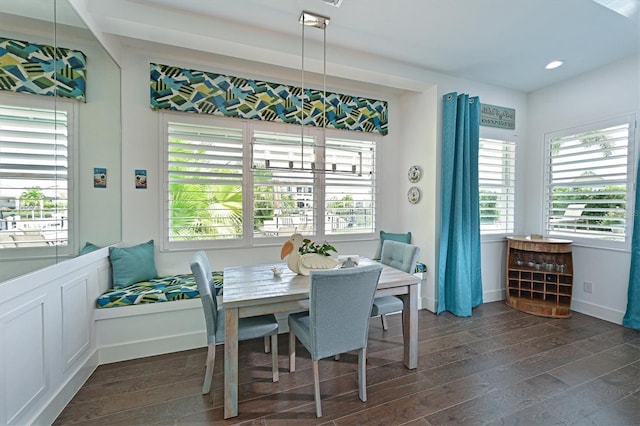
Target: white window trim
[
  {"x": 248, "y": 240},
  {"x": 632, "y": 161}
]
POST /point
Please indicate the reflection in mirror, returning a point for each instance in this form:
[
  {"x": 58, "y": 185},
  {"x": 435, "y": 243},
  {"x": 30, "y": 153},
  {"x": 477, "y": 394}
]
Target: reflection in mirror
[{"x": 50, "y": 205}]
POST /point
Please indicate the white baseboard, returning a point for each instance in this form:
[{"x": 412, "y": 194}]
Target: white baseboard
[
  {"x": 597, "y": 311},
  {"x": 52, "y": 409},
  {"x": 493, "y": 296},
  {"x": 431, "y": 304},
  {"x": 150, "y": 347}
]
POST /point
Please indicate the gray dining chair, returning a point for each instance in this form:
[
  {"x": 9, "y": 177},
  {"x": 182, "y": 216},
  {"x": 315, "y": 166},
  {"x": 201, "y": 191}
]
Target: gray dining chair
[
  {"x": 337, "y": 320},
  {"x": 401, "y": 256},
  {"x": 248, "y": 328}
]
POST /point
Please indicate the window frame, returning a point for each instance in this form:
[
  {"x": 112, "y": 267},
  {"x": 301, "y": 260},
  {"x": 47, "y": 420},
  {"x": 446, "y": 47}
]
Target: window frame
[
  {"x": 248, "y": 127},
  {"x": 632, "y": 158},
  {"x": 70, "y": 107}
]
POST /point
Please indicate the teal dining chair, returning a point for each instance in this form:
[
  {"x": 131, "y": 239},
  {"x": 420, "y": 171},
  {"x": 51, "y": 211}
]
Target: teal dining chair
[
  {"x": 401, "y": 256},
  {"x": 248, "y": 328},
  {"x": 337, "y": 320}
]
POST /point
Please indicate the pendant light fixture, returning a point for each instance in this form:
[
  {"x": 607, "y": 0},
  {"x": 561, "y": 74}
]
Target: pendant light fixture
[{"x": 314, "y": 20}]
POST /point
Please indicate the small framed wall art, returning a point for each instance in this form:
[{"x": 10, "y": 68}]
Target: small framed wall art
[{"x": 99, "y": 177}]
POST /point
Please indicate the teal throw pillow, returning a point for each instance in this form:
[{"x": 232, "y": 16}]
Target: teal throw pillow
[
  {"x": 402, "y": 238},
  {"x": 132, "y": 264},
  {"x": 88, "y": 248}
]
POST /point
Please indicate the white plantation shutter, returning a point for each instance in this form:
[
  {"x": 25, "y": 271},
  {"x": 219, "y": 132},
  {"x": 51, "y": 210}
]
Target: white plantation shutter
[
  {"x": 284, "y": 200},
  {"x": 34, "y": 170},
  {"x": 588, "y": 181},
  {"x": 350, "y": 186},
  {"x": 204, "y": 177},
  {"x": 236, "y": 183},
  {"x": 496, "y": 172}
]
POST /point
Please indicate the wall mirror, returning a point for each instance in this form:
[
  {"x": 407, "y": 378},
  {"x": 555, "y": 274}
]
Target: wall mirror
[{"x": 52, "y": 148}]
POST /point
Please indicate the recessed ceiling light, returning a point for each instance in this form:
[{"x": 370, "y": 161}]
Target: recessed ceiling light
[
  {"x": 554, "y": 64},
  {"x": 335, "y": 3}
]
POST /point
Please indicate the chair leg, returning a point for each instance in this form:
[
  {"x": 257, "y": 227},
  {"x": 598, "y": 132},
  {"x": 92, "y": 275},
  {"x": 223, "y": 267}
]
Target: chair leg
[
  {"x": 208, "y": 374},
  {"x": 385, "y": 327},
  {"x": 316, "y": 388},
  {"x": 267, "y": 345},
  {"x": 292, "y": 350},
  {"x": 362, "y": 374},
  {"x": 274, "y": 357}
]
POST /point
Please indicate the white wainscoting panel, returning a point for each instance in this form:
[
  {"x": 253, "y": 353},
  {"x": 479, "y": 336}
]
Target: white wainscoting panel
[
  {"x": 47, "y": 337},
  {"x": 76, "y": 319},
  {"x": 23, "y": 357}
]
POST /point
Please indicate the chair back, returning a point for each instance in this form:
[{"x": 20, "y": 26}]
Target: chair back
[
  {"x": 399, "y": 255},
  {"x": 339, "y": 308},
  {"x": 201, "y": 269}
]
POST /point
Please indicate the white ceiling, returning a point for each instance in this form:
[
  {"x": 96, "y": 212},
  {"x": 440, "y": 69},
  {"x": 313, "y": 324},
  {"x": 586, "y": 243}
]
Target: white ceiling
[{"x": 500, "y": 42}]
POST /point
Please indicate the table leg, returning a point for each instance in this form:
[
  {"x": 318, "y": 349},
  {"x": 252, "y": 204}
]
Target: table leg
[
  {"x": 231, "y": 364},
  {"x": 410, "y": 328}
]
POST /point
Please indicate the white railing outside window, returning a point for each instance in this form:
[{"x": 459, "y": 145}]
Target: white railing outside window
[{"x": 350, "y": 195}]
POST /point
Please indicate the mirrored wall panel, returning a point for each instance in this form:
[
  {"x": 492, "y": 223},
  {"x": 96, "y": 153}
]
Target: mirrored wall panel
[{"x": 60, "y": 137}]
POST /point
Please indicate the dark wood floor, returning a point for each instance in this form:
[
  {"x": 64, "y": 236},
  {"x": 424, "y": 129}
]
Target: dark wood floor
[{"x": 498, "y": 367}]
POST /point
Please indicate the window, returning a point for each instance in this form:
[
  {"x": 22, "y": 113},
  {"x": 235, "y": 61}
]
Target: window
[
  {"x": 588, "y": 180},
  {"x": 350, "y": 197},
  {"x": 496, "y": 173},
  {"x": 284, "y": 200},
  {"x": 35, "y": 146},
  {"x": 204, "y": 167},
  {"x": 233, "y": 182}
]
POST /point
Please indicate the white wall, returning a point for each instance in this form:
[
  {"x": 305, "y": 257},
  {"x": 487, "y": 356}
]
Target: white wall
[
  {"x": 607, "y": 92},
  {"x": 142, "y": 147},
  {"x": 414, "y": 132}
]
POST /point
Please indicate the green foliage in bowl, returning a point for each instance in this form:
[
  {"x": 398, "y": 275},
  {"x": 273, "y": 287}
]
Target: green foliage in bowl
[{"x": 309, "y": 246}]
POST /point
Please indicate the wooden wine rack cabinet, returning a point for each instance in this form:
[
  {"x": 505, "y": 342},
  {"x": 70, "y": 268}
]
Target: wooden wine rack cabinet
[{"x": 540, "y": 276}]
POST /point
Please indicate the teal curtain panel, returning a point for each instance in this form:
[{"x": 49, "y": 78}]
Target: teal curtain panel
[
  {"x": 632, "y": 316},
  {"x": 460, "y": 278},
  {"x": 203, "y": 92},
  {"x": 42, "y": 70}
]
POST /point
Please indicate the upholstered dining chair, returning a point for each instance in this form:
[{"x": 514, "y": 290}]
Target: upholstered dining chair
[
  {"x": 337, "y": 320},
  {"x": 400, "y": 256},
  {"x": 248, "y": 328}
]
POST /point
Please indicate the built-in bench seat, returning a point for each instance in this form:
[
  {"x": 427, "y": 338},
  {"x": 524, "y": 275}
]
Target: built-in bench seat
[
  {"x": 136, "y": 325},
  {"x": 163, "y": 289}
]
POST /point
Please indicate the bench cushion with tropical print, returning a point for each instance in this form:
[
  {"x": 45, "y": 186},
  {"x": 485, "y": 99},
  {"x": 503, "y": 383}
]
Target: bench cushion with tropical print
[{"x": 163, "y": 289}]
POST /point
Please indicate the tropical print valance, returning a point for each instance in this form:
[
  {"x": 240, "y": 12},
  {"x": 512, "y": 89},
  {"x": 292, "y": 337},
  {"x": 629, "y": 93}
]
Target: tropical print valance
[
  {"x": 41, "y": 69},
  {"x": 203, "y": 92}
]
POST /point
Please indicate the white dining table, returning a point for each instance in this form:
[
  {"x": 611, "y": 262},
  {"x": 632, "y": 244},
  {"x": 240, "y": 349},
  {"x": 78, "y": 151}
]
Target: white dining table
[{"x": 255, "y": 290}]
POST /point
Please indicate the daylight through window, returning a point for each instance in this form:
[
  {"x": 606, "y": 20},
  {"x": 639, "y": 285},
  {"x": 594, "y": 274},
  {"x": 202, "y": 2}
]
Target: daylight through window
[{"x": 588, "y": 183}]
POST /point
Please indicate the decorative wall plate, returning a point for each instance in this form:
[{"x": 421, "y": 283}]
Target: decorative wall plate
[
  {"x": 413, "y": 195},
  {"x": 415, "y": 173}
]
